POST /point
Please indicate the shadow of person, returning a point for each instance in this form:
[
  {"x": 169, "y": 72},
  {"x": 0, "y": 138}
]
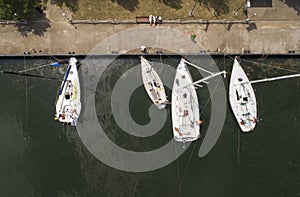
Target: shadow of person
[{"x": 251, "y": 26}]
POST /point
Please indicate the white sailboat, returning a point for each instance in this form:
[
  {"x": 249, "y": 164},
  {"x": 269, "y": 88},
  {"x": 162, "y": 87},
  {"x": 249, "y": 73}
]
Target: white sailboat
[
  {"x": 242, "y": 98},
  {"x": 68, "y": 104},
  {"x": 185, "y": 107},
  {"x": 153, "y": 84}
]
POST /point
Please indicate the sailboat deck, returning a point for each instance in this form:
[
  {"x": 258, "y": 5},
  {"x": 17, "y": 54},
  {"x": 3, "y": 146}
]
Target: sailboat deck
[
  {"x": 242, "y": 98},
  {"x": 153, "y": 84},
  {"x": 68, "y": 104},
  {"x": 185, "y": 109}
]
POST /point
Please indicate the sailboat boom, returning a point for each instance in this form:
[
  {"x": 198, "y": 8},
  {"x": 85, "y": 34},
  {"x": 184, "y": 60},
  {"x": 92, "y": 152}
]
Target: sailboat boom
[
  {"x": 189, "y": 63},
  {"x": 209, "y": 77},
  {"x": 275, "y": 78}
]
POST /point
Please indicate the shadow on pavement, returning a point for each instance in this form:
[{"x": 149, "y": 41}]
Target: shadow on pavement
[
  {"x": 37, "y": 25},
  {"x": 294, "y": 4}
]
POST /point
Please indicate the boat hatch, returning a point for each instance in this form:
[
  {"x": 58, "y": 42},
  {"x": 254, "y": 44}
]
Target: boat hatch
[{"x": 185, "y": 112}]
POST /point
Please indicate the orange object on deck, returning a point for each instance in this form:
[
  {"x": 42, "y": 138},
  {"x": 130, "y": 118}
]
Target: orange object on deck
[{"x": 200, "y": 122}]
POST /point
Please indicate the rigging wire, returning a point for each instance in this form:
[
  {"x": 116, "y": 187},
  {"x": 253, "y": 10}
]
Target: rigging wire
[
  {"x": 41, "y": 65},
  {"x": 160, "y": 59},
  {"x": 238, "y": 145},
  {"x": 188, "y": 163},
  {"x": 26, "y": 102},
  {"x": 211, "y": 94},
  {"x": 29, "y": 92},
  {"x": 263, "y": 64},
  {"x": 170, "y": 58},
  {"x": 223, "y": 62},
  {"x": 25, "y": 70},
  {"x": 55, "y": 58},
  {"x": 178, "y": 169}
]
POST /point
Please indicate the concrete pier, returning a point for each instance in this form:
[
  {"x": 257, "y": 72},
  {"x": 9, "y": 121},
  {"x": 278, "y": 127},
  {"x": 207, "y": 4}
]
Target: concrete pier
[{"x": 273, "y": 30}]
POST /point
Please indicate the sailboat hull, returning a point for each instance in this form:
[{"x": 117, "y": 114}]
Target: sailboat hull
[
  {"x": 242, "y": 98},
  {"x": 153, "y": 84},
  {"x": 185, "y": 107},
  {"x": 68, "y": 104}
]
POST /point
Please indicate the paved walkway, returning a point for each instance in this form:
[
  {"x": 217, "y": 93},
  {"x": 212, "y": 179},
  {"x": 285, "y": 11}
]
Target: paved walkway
[{"x": 273, "y": 30}]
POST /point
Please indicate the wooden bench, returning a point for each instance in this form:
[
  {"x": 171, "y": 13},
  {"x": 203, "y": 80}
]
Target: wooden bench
[
  {"x": 145, "y": 20},
  {"x": 142, "y": 19}
]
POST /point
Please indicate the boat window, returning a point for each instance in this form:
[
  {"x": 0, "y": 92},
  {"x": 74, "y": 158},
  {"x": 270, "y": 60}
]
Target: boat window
[
  {"x": 183, "y": 76},
  {"x": 67, "y": 96},
  {"x": 240, "y": 79},
  {"x": 245, "y": 99},
  {"x": 237, "y": 95},
  {"x": 184, "y": 95}
]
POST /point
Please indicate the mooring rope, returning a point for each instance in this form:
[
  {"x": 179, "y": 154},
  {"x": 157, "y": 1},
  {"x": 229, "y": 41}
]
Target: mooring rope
[
  {"x": 188, "y": 163},
  {"x": 178, "y": 169},
  {"x": 263, "y": 64},
  {"x": 25, "y": 70},
  {"x": 29, "y": 75},
  {"x": 267, "y": 65}
]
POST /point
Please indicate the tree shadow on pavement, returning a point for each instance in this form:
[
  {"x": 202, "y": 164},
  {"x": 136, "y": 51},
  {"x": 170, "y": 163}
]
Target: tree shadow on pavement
[
  {"x": 294, "y": 4},
  {"x": 176, "y": 4},
  {"x": 220, "y": 6},
  {"x": 37, "y": 25},
  {"x": 130, "y": 5}
]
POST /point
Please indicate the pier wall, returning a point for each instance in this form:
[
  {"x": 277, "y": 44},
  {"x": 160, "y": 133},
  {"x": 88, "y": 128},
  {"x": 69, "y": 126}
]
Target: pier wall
[{"x": 265, "y": 33}]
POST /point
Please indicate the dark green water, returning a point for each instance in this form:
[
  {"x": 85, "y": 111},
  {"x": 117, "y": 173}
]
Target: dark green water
[{"x": 40, "y": 157}]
